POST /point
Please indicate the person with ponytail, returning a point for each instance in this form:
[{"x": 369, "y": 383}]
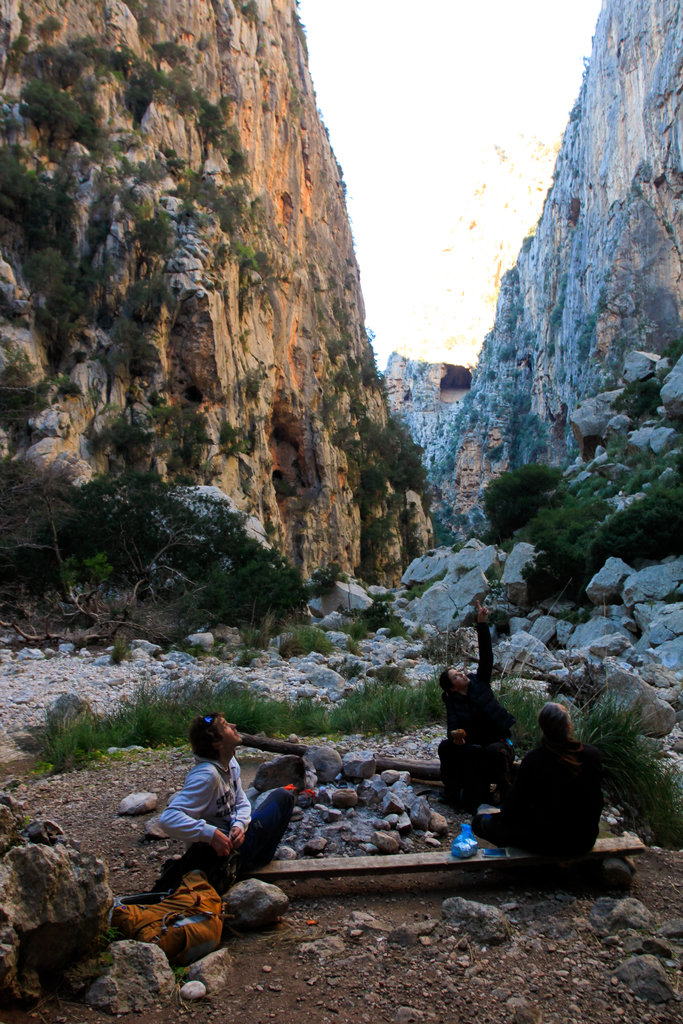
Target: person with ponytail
[{"x": 555, "y": 803}]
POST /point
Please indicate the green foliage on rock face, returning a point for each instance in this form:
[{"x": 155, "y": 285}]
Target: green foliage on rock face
[
  {"x": 42, "y": 209},
  {"x": 384, "y": 463},
  {"x": 639, "y": 399},
  {"x": 56, "y": 111},
  {"x": 514, "y": 498},
  {"x": 21, "y": 392}
]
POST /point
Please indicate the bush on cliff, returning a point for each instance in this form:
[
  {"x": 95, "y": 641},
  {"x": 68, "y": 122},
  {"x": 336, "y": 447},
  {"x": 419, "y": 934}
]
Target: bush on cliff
[{"x": 514, "y": 498}]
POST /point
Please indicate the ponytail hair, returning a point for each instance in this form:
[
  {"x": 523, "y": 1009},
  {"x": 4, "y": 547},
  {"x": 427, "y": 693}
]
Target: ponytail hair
[{"x": 558, "y": 734}]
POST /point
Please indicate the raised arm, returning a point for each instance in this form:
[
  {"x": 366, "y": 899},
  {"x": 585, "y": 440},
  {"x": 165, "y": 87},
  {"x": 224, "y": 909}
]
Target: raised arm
[{"x": 485, "y": 667}]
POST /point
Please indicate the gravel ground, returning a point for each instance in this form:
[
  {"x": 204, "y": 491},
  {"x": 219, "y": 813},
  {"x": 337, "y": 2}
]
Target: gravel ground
[{"x": 319, "y": 966}]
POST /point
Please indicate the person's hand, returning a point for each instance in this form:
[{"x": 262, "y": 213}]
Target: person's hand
[
  {"x": 236, "y": 836},
  {"x": 458, "y": 737},
  {"x": 482, "y": 612},
  {"x": 221, "y": 843}
]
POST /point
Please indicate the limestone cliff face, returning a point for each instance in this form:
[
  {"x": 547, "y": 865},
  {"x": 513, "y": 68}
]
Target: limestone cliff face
[
  {"x": 603, "y": 274},
  {"x": 178, "y": 273}
]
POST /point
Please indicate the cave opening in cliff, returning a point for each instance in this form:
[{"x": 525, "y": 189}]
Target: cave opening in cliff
[
  {"x": 194, "y": 395},
  {"x": 456, "y": 381},
  {"x": 288, "y": 464}
]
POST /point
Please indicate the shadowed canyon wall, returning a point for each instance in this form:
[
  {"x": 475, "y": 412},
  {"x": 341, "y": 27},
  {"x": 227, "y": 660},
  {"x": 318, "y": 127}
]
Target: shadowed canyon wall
[{"x": 178, "y": 285}]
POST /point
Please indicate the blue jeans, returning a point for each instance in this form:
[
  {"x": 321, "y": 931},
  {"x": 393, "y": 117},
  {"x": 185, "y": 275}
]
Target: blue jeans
[{"x": 263, "y": 836}]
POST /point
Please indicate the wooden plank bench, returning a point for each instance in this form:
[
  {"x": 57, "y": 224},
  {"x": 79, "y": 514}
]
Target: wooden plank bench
[{"x": 411, "y": 863}]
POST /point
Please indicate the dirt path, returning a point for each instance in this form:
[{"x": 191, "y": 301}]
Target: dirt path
[{"x": 320, "y": 965}]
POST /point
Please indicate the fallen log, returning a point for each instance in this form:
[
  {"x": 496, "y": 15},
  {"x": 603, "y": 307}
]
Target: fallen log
[{"x": 426, "y": 771}]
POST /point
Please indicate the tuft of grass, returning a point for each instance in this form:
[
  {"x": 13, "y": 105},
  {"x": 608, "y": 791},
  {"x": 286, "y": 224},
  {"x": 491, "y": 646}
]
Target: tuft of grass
[
  {"x": 121, "y": 650},
  {"x": 637, "y": 772},
  {"x": 357, "y": 629},
  {"x": 305, "y": 640},
  {"x": 525, "y": 705},
  {"x": 375, "y": 707}
]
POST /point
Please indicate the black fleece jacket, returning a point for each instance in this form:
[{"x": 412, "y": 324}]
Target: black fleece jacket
[{"x": 477, "y": 711}]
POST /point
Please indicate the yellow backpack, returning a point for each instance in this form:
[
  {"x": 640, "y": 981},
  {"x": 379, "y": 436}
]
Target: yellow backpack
[{"x": 186, "y": 924}]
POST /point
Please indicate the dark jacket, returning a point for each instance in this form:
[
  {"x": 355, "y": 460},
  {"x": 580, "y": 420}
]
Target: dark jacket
[
  {"x": 554, "y": 807},
  {"x": 477, "y": 711}
]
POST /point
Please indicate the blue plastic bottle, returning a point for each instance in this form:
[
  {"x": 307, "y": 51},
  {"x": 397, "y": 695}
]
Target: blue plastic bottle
[{"x": 464, "y": 844}]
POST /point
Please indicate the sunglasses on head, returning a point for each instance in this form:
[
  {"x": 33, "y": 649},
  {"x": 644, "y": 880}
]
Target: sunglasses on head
[{"x": 210, "y": 719}]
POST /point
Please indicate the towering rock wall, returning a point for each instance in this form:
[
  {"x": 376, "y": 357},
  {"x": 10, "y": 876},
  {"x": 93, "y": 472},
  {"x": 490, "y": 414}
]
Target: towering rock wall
[
  {"x": 603, "y": 274},
  {"x": 178, "y": 282}
]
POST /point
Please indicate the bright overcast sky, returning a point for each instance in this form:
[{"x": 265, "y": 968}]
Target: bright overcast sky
[{"x": 411, "y": 91}]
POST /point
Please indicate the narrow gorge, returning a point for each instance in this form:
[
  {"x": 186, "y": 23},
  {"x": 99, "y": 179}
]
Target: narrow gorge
[{"x": 601, "y": 276}]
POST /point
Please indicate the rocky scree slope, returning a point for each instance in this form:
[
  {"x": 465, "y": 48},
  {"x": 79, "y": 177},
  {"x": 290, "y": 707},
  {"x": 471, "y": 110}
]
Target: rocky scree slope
[{"x": 178, "y": 286}]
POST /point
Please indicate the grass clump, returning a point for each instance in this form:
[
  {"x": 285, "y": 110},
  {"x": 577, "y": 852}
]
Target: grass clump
[
  {"x": 376, "y": 707},
  {"x": 304, "y": 639},
  {"x": 151, "y": 719},
  {"x": 637, "y": 773}
]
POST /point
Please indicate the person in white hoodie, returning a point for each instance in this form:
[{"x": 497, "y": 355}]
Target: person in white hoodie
[{"x": 213, "y": 816}]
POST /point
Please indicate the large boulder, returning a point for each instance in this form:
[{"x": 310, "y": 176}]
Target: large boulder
[
  {"x": 347, "y": 597},
  {"x": 654, "y": 583},
  {"x": 138, "y": 976},
  {"x": 630, "y": 691},
  {"x": 587, "y": 633},
  {"x": 526, "y": 655},
  {"x": 607, "y": 584},
  {"x": 671, "y": 393},
  {"x": 589, "y": 422},
  {"x": 640, "y": 366},
  {"x": 54, "y": 904},
  {"x": 429, "y": 566},
  {"x": 520, "y": 558},
  {"x": 450, "y": 604}
]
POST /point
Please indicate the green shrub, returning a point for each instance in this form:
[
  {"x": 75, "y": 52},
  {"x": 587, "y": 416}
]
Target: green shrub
[
  {"x": 231, "y": 440},
  {"x": 182, "y": 436},
  {"x": 514, "y": 498},
  {"x": 155, "y": 235},
  {"x": 674, "y": 351},
  {"x": 58, "y": 112},
  {"x": 322, "y": 581},
  {"x": 563, "y": 537},
  {"x": 172, "y": 53},
  {"x": 127, "y": 438},
  {"x": 639, "y": 399},
  {"x": 649, "y": 528},
  {"x": 185, "y": 544},
  {"x": 144, "y": 84}
]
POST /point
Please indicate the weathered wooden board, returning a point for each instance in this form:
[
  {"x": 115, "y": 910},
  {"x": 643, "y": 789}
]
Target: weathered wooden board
[{"x": 410, "y": 863}]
